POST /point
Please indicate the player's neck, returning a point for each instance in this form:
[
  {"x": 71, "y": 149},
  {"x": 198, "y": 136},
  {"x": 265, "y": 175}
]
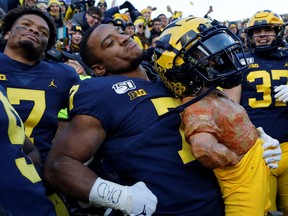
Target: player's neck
[
  {"x": 19, "y": 55},
  {"x": 139, "y": 72}
]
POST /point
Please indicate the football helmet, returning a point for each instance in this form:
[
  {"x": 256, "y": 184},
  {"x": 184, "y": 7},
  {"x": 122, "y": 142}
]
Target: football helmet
[
  {"x": 266, "y": 19},
  {"x": 194, "y": 52}
]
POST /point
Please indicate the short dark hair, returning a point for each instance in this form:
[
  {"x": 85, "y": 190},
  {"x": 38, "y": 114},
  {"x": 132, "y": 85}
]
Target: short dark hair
[
  {"x": 161, "y": 15},
  {"x": 95, "y": 10},
  {"x": 86, "y": 52},
  {"x": 156, "y": 20},
  {"x": 130, "y": 24},
  {"x": 13, "y": 15}
]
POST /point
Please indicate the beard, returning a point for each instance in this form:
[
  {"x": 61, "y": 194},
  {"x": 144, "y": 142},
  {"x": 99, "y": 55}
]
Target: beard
[
  {"x": 133, "y": 65},
  {"x": 31, "y": 53}
]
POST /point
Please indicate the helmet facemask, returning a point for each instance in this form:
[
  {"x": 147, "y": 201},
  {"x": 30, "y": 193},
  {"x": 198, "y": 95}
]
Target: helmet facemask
[
  {"x": 265, "y": 19},
  {"x": 217, "y": 60},
  {"x": 268, "y": 47}
]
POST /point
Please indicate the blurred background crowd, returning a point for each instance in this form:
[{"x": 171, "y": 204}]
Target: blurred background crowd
[{"x": 73, "y": 17}]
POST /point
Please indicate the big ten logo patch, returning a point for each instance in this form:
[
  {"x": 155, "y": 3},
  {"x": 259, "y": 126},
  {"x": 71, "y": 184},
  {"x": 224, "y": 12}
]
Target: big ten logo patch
[
  {"x": 254, "y": 65},
  {"x": 137, "y": 93}
]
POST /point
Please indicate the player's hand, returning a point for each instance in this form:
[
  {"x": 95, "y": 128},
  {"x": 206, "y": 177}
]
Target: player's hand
[
  {"x": 145, "y": 201},
  {"x": 272, "y": 151},
  {"x": 131, "y": 200},
  {"x": 282, "y": 93},
  {"x": 127, "y": 5}
]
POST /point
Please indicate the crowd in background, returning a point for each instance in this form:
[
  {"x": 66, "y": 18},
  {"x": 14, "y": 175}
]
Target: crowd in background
[{"x": 144, "y": 25}]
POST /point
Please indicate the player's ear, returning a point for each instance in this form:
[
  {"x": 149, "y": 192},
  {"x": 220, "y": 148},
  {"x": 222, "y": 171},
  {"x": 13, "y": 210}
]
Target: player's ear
[
  {"x": 98, "y": 70},
  {"x": 6, "y": 36}
]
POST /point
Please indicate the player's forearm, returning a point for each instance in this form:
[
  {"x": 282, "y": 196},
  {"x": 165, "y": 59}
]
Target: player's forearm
[
  {"x": 66, "y": 174},
  {"x": 77, "y": 181},
  {"x": 210, "y": 153}
]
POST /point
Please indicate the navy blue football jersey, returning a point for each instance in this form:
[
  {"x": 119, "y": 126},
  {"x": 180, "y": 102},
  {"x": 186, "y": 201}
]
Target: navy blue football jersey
[
  {"x": 258, "y": 84},
  {"x": 37, "y": 93},
  {"x": 21, "y": 189},
  {"x": 142, "y": 146}
]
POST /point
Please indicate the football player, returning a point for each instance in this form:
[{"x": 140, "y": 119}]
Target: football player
[
  {"x": 116, "y": 116},
  {"x": 193, "y": 56},
  {"x": 35, "y": 88},
  {"x": 120, "y": 117},
  {"x": 264, "y": 92},
  {"x": 22, "y": 190}
]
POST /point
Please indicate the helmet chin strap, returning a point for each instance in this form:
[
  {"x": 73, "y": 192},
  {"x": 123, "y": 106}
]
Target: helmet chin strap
[{"x": 181, "y": 108}]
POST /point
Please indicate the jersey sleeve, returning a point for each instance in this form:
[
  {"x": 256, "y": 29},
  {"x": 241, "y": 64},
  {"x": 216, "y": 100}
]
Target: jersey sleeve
[{"x": 88, "y": 98}]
